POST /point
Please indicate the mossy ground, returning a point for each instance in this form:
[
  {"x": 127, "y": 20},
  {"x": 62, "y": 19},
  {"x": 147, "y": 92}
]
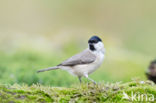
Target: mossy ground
[{"x": 104, "y": 92}]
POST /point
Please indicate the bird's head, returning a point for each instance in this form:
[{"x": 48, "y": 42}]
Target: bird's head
[{"x": 95, "y": 44}]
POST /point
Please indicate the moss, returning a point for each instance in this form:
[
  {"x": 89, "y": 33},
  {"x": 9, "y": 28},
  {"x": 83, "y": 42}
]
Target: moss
[{"x": 104, "y": 92}]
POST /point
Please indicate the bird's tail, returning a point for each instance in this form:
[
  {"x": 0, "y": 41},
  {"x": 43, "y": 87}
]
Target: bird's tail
[{"x": 47, "y": 69}]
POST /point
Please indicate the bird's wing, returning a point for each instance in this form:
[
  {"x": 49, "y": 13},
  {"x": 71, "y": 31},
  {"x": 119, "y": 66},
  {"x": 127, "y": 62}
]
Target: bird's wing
[{"x": 84, "y": 57}]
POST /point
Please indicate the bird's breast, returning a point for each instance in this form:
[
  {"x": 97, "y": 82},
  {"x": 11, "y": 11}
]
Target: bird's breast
[{"x": 99, "y": 60}]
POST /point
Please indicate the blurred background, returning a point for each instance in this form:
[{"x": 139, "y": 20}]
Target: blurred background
[{"x": 36, "y": 34}]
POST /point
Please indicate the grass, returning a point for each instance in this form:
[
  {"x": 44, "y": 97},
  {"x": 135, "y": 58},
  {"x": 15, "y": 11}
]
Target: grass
[{"x": 103, "y": 92}]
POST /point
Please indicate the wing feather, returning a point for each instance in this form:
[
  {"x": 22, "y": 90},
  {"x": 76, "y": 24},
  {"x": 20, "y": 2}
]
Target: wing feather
[{"x": 84, "y": 57}]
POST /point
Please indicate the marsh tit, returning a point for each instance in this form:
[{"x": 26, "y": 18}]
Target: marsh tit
[{"x": 84, "y": 63}]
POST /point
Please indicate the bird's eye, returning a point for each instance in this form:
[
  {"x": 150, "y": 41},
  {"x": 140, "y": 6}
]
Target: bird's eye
[{"x": 93, "y": 41}]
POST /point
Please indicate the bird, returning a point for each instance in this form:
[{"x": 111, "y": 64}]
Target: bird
[
  {"x": 151, "y": 71},
  {"x": 85, "y": 62}
]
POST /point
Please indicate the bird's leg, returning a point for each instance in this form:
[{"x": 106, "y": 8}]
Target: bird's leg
[
  {"x": 80, "y": 80},
  {"x": 86, "y": 76}
]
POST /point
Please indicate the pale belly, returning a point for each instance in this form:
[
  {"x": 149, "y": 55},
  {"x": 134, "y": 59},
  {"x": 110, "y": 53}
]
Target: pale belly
[{"x": 81, "y": 70}]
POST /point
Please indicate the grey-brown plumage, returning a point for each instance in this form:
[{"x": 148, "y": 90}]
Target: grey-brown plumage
[{"x": 84, "y": 57}]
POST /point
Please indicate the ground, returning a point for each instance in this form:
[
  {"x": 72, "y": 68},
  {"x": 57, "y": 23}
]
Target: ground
[{"x": 102, "y": 92}]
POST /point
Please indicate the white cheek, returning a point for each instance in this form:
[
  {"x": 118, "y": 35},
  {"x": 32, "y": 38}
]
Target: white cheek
[{"x": 99, "y": 46}]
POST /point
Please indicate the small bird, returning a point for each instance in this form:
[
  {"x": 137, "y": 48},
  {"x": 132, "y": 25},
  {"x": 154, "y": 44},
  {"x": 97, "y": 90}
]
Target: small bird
[
  {"x": 84, "y": 63},
  {"x": 151, "y": 71}
]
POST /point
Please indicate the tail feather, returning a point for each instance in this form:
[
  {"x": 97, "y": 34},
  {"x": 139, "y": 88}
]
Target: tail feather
[{"x": 47, "y": 69}]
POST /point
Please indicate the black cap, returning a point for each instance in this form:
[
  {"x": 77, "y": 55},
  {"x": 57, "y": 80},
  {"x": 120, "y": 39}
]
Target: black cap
[{"x": 94, "y": 39}]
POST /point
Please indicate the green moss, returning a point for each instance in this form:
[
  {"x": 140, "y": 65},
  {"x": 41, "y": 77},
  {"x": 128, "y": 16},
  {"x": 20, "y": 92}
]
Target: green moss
[{"x": 103, "y": 92}]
